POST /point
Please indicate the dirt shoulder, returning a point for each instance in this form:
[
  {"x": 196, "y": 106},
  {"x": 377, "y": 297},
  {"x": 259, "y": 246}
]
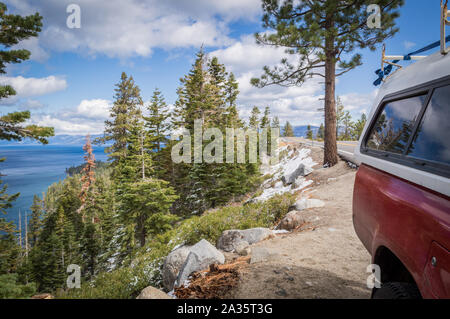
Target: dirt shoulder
[{"x": 325, "y": 261}]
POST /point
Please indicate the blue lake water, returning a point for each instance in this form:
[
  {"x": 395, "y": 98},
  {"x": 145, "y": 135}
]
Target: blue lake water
[{"x": 30, "y": 170}]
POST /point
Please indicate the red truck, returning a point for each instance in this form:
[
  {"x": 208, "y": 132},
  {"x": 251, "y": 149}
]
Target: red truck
[{"x": 401, "y": 200}]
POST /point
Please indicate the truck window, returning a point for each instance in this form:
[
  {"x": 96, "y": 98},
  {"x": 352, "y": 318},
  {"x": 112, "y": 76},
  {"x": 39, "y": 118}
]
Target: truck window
[
  {"x": 432, "y": 140},
  {"x": 394, "y": 125}
]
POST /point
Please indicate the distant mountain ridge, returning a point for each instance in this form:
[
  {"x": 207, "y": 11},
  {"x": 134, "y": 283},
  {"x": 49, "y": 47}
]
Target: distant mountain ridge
[{"x": 62, "y": 139}]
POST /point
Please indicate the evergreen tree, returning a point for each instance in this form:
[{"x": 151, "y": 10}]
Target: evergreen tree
[
  {"x": 340, "y": 113},
  {"x": 158, "y": 127},
  {"x": 320, "y": 132},
  {"x": 15, "y": 28},
  {"x": 288, "y": 131},
  {"x": 87, "y": 178},
  {"x": 265, "y": 120},
  {"x": 144, "y": 200},
  {"x": 208, "y": 93},
  {"x": 253, "y": 121},
  {"x": 359, "y": 127},
  {"x": 276, "y": 122},
  {"x": 348, "y": 125},
  {"x": 309, "y": 132},
  {"x": 35, "y": 223},
  {"x": 124, "y": 113},
  {"x": 321, "y": 34}
]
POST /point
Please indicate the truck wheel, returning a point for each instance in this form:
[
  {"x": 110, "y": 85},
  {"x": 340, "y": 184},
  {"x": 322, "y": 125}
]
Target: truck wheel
[{"x": 397, "y": 290}]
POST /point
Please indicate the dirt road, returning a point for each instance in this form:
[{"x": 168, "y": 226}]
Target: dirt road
[{"x": 327, "y": 261}]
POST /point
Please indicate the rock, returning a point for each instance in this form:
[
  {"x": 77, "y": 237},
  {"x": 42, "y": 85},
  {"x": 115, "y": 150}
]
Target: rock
[
  {"x": 242, "y": 248},
  {"x": 306, "y": 203},
  {"x": 301, "y": 170},
  {"x": 201, "y": 255},
  {"x": 291, "y": 221},
  {"x": 229, "y": 239},
  {"x": 152, "y": 293},
  {"x": 172, "y": 266}
]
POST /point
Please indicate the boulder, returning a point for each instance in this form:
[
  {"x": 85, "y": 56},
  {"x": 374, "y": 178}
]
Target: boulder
[
  {"x": 290, "y": 177},
  {"x": 201, "y": 255},
  {"x": 242, "y": 248},
  {"x": 152, "y": 293},
  {"x": 230, "y": 239},
  {"x": 291, "y": 221},
  {"x": 306, "y": 203},
  {"x": 172, "y": 266}
]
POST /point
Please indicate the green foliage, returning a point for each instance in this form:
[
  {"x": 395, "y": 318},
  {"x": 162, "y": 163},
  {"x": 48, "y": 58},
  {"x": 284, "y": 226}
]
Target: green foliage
[
  {"x": 211, "y": 225},
  {"x": 145, "y": 267},
  {"x": 309, "y": 132},
  {"x": 320, "y": 132},
  {"x": 253, "y": 121},
  {"x": 13, "y": 29},
  {"x": 124, "y": 113},
  {"x": 11, "y": 289},
  {"x": 359, "y": 126},
  {"x": 288, "y": 130}
]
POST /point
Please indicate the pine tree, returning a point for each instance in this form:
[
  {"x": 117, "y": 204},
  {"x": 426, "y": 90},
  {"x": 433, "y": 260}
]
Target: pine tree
[
  {"x": 359, "y": 127},
  {"x": 265, "y": 120},
  {"x": 87, "y": 178},
  {"x": 288, "y": 131},
  {"x": 321, "y": 34},
  {"x": 158, "y": 128},
  {"x": 35, "y": 223},
  {"x": 15, "y": 28},
  {"x": 276, "y": 122},
  {"x": 208, "y": 93},
  {"x": 309, "y": 132},
  {"x": 253, "y": 121},
  {"x": 143, "y": 198},
  {"x": 124, "y": 113},
  {"x": 339, "y": 115},
  {"x": 320, "y": 132}
]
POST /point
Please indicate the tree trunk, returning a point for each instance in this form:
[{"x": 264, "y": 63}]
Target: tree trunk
[{"x": 330, "y": 146}]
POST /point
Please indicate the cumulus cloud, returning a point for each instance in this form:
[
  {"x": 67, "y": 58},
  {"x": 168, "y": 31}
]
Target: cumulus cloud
[
  {"x": 298, "y": 105},
  {"x": 87, "y": 117},
  {"x": 68, "y": 126},
  {"x": 124, "y": 28},
  {"x": 26, "y": 87}
]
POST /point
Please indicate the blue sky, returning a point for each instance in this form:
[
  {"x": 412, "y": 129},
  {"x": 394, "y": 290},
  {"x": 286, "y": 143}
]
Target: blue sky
[{"x": 69, "y": 81}]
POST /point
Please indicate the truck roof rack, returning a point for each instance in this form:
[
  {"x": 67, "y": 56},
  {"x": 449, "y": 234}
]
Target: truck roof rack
[{"x": 392, "y": 60}]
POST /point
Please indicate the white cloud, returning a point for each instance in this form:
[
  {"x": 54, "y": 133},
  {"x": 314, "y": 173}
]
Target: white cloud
[
  {"x": 87, "y": 117},
  {"x": 26, "y": 87},
  {"x": 124, "y": 28},
  {"x": 94, "y": 109},
  {"x": 298, "y": 105},
  {"x": 68, "y": 126}
]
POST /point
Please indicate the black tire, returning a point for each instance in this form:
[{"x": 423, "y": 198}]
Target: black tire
[{"x": 397, "y": 290}]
